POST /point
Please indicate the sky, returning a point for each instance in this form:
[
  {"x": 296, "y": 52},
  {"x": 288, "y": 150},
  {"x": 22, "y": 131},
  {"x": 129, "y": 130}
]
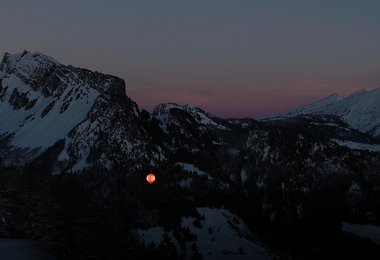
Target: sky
[{"x": 233, "y": 58}]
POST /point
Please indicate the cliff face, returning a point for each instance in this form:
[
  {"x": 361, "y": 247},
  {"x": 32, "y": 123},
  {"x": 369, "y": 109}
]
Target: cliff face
[{"x": 43, "y": 101}]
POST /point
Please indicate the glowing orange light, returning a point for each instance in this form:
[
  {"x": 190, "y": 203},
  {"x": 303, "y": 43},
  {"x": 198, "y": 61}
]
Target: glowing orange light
[{"x": 150, "y": 178}]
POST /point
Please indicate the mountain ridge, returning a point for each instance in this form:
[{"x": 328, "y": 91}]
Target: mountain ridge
[
  {"x": 361, "y": 110},
  {"x": 66, "y": 91},
  {"x": 43, "y": 101},
  {"x": 75, "y": 151}
]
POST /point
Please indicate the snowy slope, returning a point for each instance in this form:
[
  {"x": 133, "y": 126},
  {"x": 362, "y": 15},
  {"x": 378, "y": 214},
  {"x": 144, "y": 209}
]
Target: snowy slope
[
  {"x": 43, "y": 102},
  {"x": 40, "y": 100},
  {"x": 19, "y": 249},
  {"x": 192, "y": 168},
  {"x": 229, "y": 236},
  {"x": 162, "y": 113},
  {"x": 357, "y": 146},
  {"x": 221, "y": 235},
  {"x": 363, "y": 230},
  {"x": 319, "y": 105},
  {"x": 31, "y": 126},
  {"x": 360, "y": 110}
]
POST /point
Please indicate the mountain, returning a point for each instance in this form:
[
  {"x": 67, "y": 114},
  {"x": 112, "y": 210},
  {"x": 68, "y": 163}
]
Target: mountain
[
  {"x": 44, "y": 102},
  {"x": 162, "y": 113},
  {"x": 75, "y": 150},
  {"x": 361, "y": 110},
  {"x": 328, "y": 126}
]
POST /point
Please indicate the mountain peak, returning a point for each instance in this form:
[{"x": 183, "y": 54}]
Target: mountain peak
[
  {"x": 26, "y": 61},
  {"x": 307, "y": 109},
  {"x": 163, "y": 111},
  {"x": 37, "y": 70},
  {"x": 334, "y": 97},
  {"x": 185, "y": 107},
  {"x": 31, "y": 68},
  {"x": 42, "y": 101},
  {"x": 360, "y": 110},
  {"x": 359, "y": 92},
  {"x": 335, "y": 94}
]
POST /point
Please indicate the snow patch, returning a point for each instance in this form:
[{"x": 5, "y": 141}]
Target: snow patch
[
  {"x": 11, "y": 249},
  {"x": 162, "y": 112},
  {"x": 361, "y": 110},
  {"x": 363, "y": 230},
  {"x": 153, "y": 234},
  {"x": 192, "y": 168},
  {"x": 42, "y": 131},
  {"x": 243, "y": 176},
  {"x": 224, "y": 236},
  {"x": 357, "y": 146}
]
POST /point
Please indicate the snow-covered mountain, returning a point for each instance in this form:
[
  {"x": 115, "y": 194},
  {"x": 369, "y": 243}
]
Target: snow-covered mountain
[
  {"x": 361, "y": 110},
  {"x": 326, "y": 126},
  {"x": 43, "y": 102},
  {"x": 220, "y": 235},
  {"x": 216, "y": 178},
  {"x": 163, "y": 113}
]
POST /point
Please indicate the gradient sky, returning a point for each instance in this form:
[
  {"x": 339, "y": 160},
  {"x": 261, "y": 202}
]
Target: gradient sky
[{"x": 234, "y": 58}]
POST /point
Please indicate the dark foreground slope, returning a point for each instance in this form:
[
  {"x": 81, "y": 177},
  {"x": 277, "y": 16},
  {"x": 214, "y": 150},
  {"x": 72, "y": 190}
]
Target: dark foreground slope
[{"x": 75, "y": 151}]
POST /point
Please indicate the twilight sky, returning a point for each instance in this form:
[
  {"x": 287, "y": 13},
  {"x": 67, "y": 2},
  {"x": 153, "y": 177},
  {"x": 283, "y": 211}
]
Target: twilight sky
[{"x": 234, "y": 58}]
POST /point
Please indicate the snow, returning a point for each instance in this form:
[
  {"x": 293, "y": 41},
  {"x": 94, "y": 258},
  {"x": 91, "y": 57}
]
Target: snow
[
  {"x": 63, "y": 156},
  {"x": 79, "y": 165},
  {"x": 162, "y": 111},
  {"x": 29, "y": 62},
  {"x": 363, "y": 230},
  {"x": 228, "y": 235},
  {"x": 266, "y": 151},
  {"x": 355, "y": 187},
  {"x": 309, "y": 109},
  {"x": 159, "y": 155},
  {"x": 217, "y": 143},
  {"x": 192, "y": 168},
  {"x": 163, "y": 118},
  {"x": 30, "y": 128},
  {"x": 316, "y": 147},
  {"x": 357, "y": 146},
  {"x": 234, "y": 152},
  {"x": 19, "y": 249},
  {"x": 185, "y": 183},
  {"x": 242, "y": 122},
  {"x": 260, "y": 183},
  {"x": 57, "y": 102},
  {"x": 243, "y": 176},
  {"x": 204, "y": 119},
  {"x": 330, "y": 124},
  {"x": 153, "y": 234},
  {"x": 360, "y": 110}
]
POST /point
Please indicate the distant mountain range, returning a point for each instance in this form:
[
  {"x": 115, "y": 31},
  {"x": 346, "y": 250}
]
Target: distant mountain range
[
  {"x": 280, "y": 175},
  {"x": 361, "y": 110}
]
